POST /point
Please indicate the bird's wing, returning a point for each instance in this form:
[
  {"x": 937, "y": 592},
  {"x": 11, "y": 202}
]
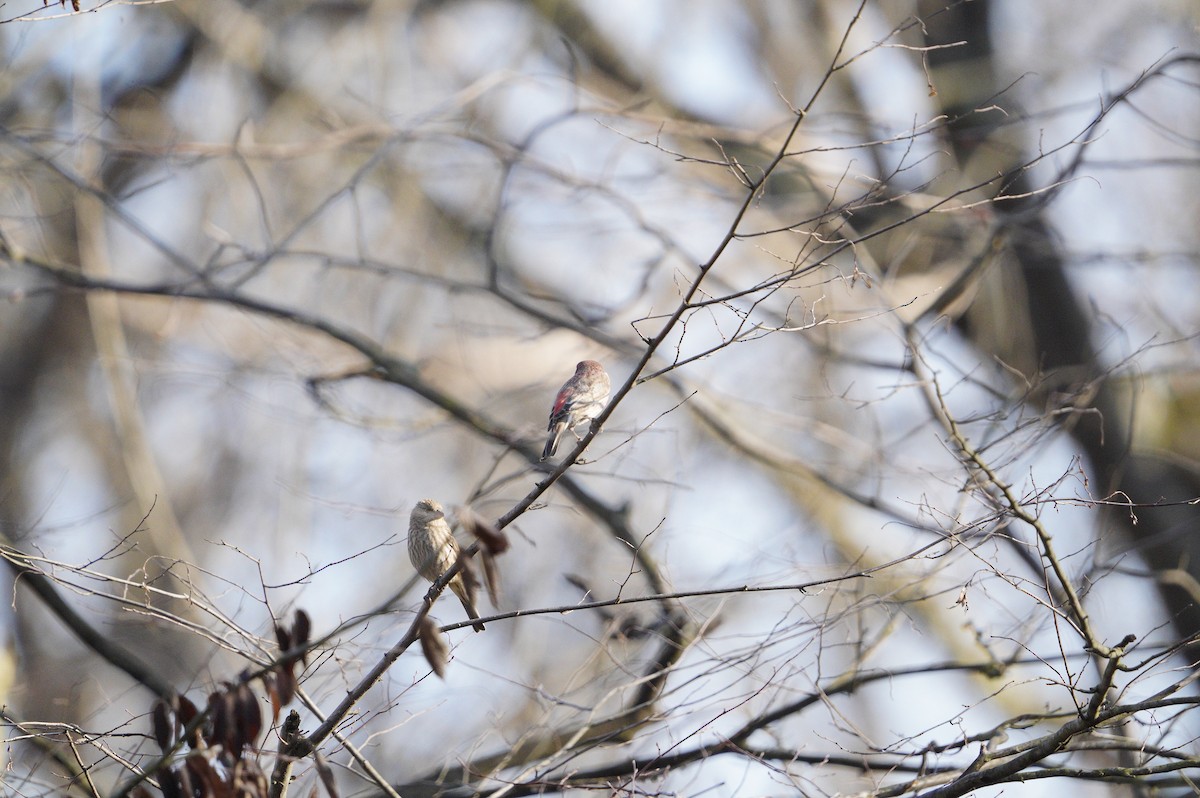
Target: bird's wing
[{"x": 562, "y": 402}]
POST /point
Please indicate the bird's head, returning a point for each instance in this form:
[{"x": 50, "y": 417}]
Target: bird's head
[{"x": 428, "y": 510}]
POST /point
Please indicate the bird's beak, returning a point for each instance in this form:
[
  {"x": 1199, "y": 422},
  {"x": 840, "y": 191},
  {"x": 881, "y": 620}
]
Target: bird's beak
[{"x": 438, "y": 514}]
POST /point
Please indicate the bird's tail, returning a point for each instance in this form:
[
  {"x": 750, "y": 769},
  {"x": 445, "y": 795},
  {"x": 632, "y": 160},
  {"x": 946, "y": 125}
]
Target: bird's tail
[
  {"x": 552, "y": 441},
  {"x": 468, "y": 605},
  {"x": 473, "y": 615},
  {"x": 478, "y": 627}
]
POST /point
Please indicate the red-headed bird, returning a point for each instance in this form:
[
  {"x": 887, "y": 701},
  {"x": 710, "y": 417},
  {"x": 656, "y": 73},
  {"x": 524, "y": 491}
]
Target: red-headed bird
[{"x": 578, "y": 402}]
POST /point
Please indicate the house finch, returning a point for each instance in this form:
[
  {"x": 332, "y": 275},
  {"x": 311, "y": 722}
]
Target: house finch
[
  {"x": 579, "y": 401},
  {"x": 433, "y": 550}
]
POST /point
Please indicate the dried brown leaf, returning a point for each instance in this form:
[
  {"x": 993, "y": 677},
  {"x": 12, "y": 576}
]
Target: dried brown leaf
[
  {"x": 283, "y": 637},
  {"x": 203, "y": 774},
  {"x": 268, "y": 680},
  {"x": 224, "y": 722},
  {"x": 163, "y": 724},
  {"x": 248, "y": 780},
  {"x": 185, "y": 783},
  {"x": 210, "y": 726},
  {"x": 490, "y": 536},
  {"x": 491, "y": 576},
  {"x": 168, "y": 784},
  {"x": 187, "y": 713},
  {"x": 434, "y": 646},
  {"x": 470, "y": 578},
  {"x": 301, "y": 630},
  {"x": 326, "y": 774},
  {"x": 286, "y": 683},
  {"x": 249, "y": 714}
]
